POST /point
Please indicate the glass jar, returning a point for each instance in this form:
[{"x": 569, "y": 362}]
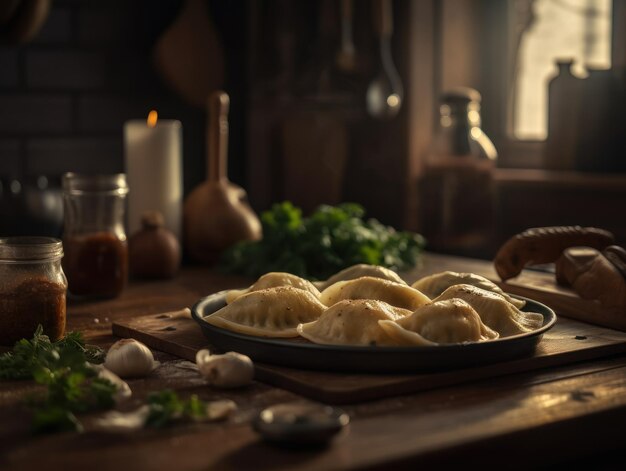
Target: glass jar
[
  {"x": 96, "y": 253},
  {"x": 32, "y": 288},
  {"x": 457, "y": 193}
]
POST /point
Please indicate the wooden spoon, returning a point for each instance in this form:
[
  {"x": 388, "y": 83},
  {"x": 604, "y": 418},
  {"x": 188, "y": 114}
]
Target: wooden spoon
[{"x": 216, "y": 214}]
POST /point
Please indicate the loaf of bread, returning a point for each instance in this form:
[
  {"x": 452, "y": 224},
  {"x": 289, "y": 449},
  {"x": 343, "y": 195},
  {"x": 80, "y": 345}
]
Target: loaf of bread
[
  {"x": 602, "y": 282},
  {"x": 591, "y": 274},
  {"x": 573, "y": 262},
  {"x": 545, "y": 245}
]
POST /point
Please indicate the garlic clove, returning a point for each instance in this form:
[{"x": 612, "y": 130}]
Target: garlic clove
[
  {"x": 120, "y": 422},
  {"x": 124, "y": 422},
  {"x": 123, "y": 391},
  {"x": 231, "y": 370},
  {"x": 220, "y": 410},
  {"x": 129, "y": 358}
]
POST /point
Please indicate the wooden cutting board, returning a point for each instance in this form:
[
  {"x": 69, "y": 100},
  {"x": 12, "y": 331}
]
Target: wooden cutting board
[{"x": 568, "y": 342}]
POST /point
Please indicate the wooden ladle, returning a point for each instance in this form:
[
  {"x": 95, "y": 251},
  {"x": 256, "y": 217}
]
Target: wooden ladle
[{"x": 216, "y": 214}]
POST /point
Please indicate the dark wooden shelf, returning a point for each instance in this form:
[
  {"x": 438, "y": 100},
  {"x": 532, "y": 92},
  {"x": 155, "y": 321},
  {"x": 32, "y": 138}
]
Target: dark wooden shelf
[
  {"x": 533, "y": 198},
  {"x": 561, "y": 179}
]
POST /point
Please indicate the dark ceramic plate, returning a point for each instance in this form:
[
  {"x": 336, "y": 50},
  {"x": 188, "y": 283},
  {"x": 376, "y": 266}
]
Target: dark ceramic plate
[{"x": 300, "y": 353}]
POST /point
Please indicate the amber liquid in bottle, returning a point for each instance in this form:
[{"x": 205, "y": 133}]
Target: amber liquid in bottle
[
  {"x": 457, "y": 204},
  {"x": 96, "y": 265},
  {"x": 457, "y": 194}
]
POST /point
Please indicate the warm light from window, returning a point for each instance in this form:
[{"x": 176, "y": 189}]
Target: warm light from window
[
  {"x": 153, "y": 116},
  {"x": 557, "y": 30}
]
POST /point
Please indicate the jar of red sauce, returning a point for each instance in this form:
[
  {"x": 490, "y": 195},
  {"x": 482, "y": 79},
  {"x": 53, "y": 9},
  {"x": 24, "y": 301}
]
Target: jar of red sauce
[
  {"x": 94, "y": 238},
  {"x": 32, "y": 288}
]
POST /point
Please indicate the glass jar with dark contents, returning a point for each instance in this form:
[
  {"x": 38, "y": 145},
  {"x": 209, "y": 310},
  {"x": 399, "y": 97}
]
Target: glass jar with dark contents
[
  {"x": 32, "y": 288},
  {"x": 96, "y": 254}
]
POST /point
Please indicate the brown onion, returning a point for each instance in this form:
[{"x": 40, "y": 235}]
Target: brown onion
[{"x": 153, "y": 251}]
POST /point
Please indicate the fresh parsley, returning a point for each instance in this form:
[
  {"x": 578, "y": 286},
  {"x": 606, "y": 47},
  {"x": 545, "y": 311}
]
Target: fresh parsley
[
  {"x": 329, "y": 240},
  {"x": 167, "y": 407},
  {"x": 65, "y": 368},
  {"x": 27, "y": 356}
]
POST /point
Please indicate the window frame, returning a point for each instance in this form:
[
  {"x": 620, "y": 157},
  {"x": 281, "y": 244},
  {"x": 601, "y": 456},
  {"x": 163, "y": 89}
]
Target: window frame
[{"x": 496, "y": 80}]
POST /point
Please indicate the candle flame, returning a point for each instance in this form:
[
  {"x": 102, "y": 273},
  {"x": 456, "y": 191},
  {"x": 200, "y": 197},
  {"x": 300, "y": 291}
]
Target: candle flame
[{"x": 152, "y": 118}]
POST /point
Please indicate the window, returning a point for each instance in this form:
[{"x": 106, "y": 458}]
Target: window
[
  {"x": 542, "y": 33},
  {"x": 508, "y": 50}
]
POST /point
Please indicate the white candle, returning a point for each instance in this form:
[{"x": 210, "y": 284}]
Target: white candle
[{"x": 153, "y": 154}]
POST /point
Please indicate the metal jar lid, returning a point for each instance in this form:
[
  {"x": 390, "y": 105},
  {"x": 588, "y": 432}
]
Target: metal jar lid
[
  {"x": 78, "y": 184},
  {"x": 30, "y": 249}
]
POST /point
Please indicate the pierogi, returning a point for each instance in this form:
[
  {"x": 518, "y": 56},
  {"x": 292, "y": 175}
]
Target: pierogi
[
  {"x": 441, "y": 322},
  {"x": 274, "y": 280},
  {"x": 272, "y": 312},
  {"x": 494, "y": 310},
  {"x": 362, "y": 269},
  {"x": 433, "y": 285},
  {"x": 366, "y": 305},
  {"x": 367, "y": 287},
  {"x": 353, "y": 322}
]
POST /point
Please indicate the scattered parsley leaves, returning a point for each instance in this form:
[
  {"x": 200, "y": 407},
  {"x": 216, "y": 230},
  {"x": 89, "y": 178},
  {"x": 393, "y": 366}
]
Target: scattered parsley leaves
[{"x": 166, "y": 408}]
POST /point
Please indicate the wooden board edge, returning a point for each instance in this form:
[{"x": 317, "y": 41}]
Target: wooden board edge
[{"x": 348, "y": 396}]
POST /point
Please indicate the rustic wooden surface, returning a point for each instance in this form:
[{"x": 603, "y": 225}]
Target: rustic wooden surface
[
  {"x": 568, "y": 342},
  {"x": 570, "y": 415}
]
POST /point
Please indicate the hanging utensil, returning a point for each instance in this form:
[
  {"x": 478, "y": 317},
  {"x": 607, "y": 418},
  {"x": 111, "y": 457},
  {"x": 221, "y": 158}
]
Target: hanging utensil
[
  {"x": 216, "y": 213},
  {"x": 346, "y": 56},
  {"x": 189, "y": 54},
  {"x": 385, "y": 93}
]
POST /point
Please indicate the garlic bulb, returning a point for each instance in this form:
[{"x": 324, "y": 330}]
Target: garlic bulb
[
  {"x": 231, "y": 370},
  {"x": 129, "y": 358}
]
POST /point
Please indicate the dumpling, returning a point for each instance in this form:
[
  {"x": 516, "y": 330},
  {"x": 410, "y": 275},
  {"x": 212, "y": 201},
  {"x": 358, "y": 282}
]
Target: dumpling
[
  {"x": 441, "y": 322},
  {"x": 362, "y": 269},
  {"x": 433, "y": 285},
  {"x": 272, "y": 312},
  {"x": 273, "y": 280},
  {"x": 367, "y": 287},
  {"x": 494, "y": 310},
  {"x": 353, "y": 322}
]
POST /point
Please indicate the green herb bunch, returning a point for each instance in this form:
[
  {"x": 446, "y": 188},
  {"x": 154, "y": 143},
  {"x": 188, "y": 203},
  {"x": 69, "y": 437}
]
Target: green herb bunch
[
  {"x": 66, "y": 369},
  {"x": 331, "y": 239},
  {"x": 29, "y": 356}
]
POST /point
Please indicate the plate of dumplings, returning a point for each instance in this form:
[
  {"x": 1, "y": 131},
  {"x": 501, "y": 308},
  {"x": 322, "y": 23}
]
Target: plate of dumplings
[{"x": 366, "y": 318}]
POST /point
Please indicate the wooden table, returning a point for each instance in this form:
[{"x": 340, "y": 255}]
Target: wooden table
[{"x": 567, "y": 415}]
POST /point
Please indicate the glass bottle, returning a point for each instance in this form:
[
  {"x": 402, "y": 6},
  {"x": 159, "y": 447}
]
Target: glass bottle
[
  {"x": 564, "y": 99},
  {"x": 94, "y": 237},
  {"x": 32, "y": 288},
  {"x": 457, "y": 189}
]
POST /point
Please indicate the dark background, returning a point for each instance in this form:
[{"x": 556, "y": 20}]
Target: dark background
[{"x": 65, "y": 95}]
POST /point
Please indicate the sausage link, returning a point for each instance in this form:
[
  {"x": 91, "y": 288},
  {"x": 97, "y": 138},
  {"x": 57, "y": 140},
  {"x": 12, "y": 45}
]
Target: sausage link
[{"x": 544, "y": 245}]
